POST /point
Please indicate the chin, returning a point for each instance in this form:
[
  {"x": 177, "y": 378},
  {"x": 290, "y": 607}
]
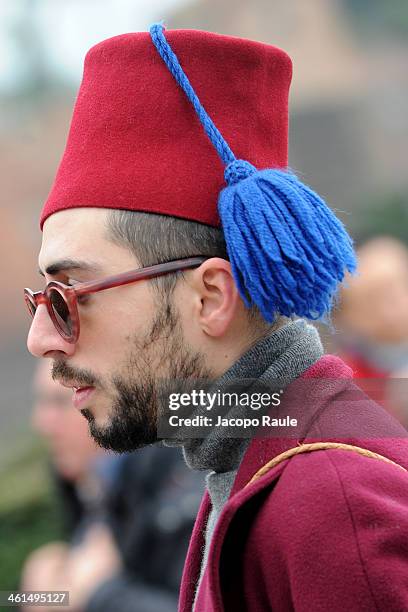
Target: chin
[
  {"x": 121, "y": 429},
  {"x": 120, "y": 440}
]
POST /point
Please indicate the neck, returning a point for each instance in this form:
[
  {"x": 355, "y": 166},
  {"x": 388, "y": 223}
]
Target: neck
[{"x": 280, "y": 357}]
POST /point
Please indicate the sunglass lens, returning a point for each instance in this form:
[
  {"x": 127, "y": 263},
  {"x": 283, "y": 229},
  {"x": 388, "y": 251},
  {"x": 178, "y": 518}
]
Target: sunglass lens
[
  {"x": 61, "y": 312},
  {"x": 31, "y": 305}
]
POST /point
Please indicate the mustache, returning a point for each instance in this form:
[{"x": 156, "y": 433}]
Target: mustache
[{"x": 61, "y": 371}]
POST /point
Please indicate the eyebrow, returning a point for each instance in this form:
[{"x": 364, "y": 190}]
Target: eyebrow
[{"x": 69, "y": 264}]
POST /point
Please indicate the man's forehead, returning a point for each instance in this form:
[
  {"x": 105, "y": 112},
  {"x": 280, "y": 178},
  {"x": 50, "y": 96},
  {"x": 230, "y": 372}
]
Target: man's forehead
[
  {"x": 78, "y": 239},
  {"x": 81, "y": 221},
  {"x": 74, "y": 235}
]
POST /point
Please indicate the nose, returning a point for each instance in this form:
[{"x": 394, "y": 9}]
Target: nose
[{"x": 43, "y": 339}]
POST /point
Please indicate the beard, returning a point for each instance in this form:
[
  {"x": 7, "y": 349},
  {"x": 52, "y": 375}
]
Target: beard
[{"x": 138, "y": 392}]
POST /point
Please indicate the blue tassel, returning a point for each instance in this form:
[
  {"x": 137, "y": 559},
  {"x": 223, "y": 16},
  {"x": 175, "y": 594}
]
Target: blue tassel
[{"x": 288, "y": 251}]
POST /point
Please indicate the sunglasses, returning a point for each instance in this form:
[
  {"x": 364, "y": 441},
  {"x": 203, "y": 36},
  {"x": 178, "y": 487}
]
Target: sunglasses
[{"x": 62, "y": 300}]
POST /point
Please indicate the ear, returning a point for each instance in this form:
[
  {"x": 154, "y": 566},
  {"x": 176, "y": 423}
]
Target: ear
[{"x": 218, "y": 299}]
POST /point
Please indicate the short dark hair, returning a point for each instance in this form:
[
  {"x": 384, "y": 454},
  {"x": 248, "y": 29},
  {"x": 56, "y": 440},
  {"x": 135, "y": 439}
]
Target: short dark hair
[{"x": 155, "y": 238}]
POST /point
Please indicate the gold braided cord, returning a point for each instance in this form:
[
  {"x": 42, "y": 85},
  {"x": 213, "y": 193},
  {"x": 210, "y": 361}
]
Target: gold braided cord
[{"x": 316, "y": 446}]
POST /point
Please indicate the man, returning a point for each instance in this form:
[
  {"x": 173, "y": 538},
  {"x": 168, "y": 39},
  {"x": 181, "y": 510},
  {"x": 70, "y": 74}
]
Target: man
[
  {"x": 372, "y": 321},
  {"x": 72, "y": 451},
  {"x": 137, "y": 187},
  {"x": 80, "y": 472},
  {"x": 373, "y": 311}
]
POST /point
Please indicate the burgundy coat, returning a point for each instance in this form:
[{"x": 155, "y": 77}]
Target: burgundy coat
[{"x": 323, "y": 531}]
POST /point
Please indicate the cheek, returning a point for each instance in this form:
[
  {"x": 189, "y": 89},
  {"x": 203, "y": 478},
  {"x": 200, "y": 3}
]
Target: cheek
[{"x": 111, "y": 320}]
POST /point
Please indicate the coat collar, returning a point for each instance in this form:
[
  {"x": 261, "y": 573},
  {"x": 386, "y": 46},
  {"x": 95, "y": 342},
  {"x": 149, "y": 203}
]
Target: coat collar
[{"x": 259, "y": 452}]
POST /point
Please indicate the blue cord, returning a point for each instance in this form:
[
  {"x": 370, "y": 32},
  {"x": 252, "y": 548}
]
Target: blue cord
[{"x": 172, "y": 63}]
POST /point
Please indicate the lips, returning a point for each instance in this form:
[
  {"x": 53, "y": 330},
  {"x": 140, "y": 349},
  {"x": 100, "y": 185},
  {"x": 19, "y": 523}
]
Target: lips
[
  {"x": 81, "y": 392},
  {"x": 73, "y": 384},
  {"x": 81, "y": 395}
]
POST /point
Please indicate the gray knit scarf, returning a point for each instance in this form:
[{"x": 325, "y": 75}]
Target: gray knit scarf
[{"x": 281, "y": 356}]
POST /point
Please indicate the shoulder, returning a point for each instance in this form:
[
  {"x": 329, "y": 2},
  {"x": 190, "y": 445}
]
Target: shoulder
[
  {"x": 333, "y": 483},
  {"x": 335, "y": 517}
]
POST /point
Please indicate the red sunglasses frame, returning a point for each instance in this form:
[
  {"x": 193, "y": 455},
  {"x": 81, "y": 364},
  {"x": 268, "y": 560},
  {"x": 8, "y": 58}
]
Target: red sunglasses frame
[{"x": 70, "y": 293}]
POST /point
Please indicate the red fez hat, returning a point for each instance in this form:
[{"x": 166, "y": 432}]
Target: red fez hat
[{"x": 135, "y": 141}]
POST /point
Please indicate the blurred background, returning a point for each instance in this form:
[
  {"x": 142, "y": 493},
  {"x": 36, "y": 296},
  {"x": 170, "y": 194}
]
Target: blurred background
[{"x": 348, "y": 140}]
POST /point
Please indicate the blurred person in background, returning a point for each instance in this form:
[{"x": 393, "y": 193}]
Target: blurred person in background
[
  {"x": 128, "y": 516},
  {"x": 76, "y": 462},
  {"x": 372, "y": 317}
]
